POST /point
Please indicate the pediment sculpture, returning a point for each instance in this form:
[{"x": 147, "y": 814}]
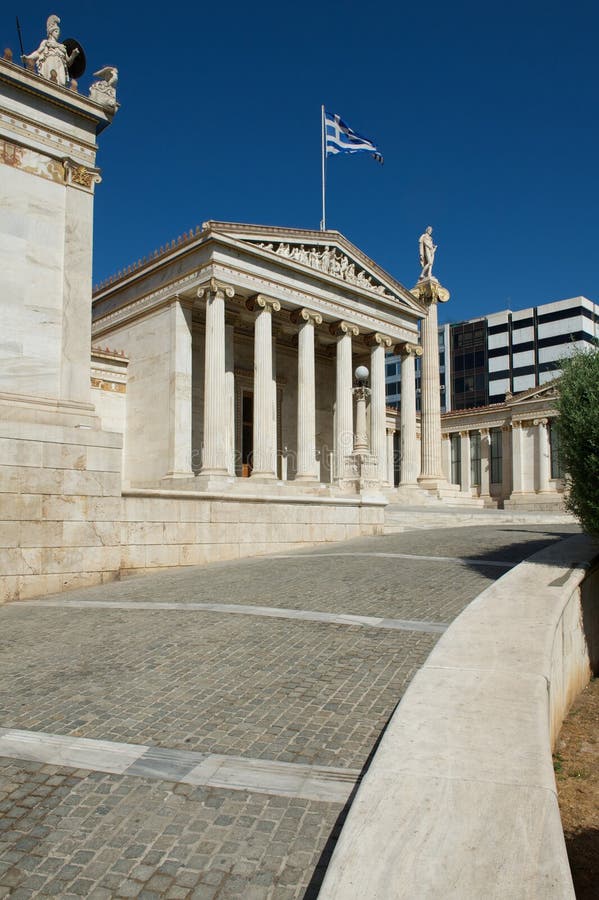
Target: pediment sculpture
[{"x": 330, "y": 261}]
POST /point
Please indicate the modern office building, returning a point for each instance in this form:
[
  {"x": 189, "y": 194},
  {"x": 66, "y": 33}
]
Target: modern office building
[{"x": 486, "y": 359}]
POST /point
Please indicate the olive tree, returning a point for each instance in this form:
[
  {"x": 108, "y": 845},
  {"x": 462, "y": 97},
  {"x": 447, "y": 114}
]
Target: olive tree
[{"x": 578, "y": 428}]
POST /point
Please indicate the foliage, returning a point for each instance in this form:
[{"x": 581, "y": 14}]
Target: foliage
[{"x": 578, "y": 425}]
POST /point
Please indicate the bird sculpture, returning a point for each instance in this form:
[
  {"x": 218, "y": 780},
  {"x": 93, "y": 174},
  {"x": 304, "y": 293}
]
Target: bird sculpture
[{"x": 109, "y": 74}]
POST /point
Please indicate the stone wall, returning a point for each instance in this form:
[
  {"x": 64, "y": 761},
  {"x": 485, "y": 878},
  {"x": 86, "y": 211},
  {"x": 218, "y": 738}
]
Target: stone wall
[
  {"x": 60, "y": 507},
  {"x": 460, "y": 799},
  {"x": 64, "y": 522}
]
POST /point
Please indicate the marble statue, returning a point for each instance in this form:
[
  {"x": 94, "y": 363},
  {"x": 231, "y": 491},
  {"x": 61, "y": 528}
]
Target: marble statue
[
  {"x": 326, "y": 259},
  {"x": 104, "y": 91},
  {"x": 427, "y": 253},
  {"x": 51, "y": 58}
]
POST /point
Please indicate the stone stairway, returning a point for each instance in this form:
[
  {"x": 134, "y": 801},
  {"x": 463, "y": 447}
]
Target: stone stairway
[{"x": 399, "y": 517}]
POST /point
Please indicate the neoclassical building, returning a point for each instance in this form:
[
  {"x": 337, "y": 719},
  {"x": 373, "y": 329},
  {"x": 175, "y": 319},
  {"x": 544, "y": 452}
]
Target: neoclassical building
[
  {"x": 507, "y": 454},
  {"x": 242, "y": 344}
]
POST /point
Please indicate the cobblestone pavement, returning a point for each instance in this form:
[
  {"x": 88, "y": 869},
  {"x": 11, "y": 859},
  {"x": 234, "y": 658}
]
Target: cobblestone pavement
[{"x": 285, "y": 690}]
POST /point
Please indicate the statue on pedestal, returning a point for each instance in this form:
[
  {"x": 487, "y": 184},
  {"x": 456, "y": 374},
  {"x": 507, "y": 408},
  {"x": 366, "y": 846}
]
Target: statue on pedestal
[
  {"x": 52, "y": 59},
  {"x": 427, "y": 253}
]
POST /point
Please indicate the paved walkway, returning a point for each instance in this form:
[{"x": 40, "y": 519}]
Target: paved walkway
[{"x": 198, "y": 734}]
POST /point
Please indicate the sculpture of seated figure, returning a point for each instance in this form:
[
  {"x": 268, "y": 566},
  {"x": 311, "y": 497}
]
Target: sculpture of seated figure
[{"x": 51, "y": 58}]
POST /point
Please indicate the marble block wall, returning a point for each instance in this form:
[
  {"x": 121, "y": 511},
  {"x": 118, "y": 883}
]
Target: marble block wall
[
  {"x": 64, "y": 522},
  {"x": 60, "y": 507}
]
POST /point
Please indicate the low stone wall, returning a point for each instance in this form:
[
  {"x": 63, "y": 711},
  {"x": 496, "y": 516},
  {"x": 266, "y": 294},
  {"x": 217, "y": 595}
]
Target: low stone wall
[
  {"x": 178, "y": 528},
  {"x": 64, "y": 522},
  {"x": 460, "y": 799}
]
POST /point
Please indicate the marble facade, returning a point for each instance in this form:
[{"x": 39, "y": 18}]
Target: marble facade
[
  {"x": 506, "y": 454},
  {"x": 245, "y": 339}
]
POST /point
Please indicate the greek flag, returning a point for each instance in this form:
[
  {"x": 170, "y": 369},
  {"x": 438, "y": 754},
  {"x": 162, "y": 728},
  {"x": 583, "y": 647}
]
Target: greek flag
[{"x": 340, "y": 138}]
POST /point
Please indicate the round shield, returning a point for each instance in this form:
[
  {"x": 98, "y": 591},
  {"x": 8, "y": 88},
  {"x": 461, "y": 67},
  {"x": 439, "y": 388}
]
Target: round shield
[{"x": 77, "y": 67}]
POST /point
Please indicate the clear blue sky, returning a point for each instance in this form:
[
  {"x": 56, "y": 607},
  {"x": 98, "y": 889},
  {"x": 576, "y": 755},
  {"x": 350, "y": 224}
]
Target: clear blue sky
[{"x": 486, "y": 115}]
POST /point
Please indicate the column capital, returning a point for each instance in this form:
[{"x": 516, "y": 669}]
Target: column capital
[
  {"x": 304, "y": 316},
  {"x": 541, "y": 421},
  {"x": 259, "y": 302},
  {"x": 377, "y": 339},
  {"x": 405, "y": 348},
  {"x": 430, "y": 291},
  {"x": 464, "y": 434},
  {"x": 216, "y": 288},
  {"x": 484, "y": 432},
  {"x": 341, "y": 328}
]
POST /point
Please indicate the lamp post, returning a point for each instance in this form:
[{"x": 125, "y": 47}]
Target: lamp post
[{"x": 361, "y": 393}]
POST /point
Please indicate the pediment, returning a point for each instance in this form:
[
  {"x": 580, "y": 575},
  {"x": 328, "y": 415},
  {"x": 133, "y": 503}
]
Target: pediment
[
  {"x": 547, "y": 391},
  {"x": 329, "y": 254}
]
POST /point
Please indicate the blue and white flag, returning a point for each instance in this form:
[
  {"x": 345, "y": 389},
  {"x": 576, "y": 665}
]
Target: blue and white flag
[{"x": 340, "y": 138}]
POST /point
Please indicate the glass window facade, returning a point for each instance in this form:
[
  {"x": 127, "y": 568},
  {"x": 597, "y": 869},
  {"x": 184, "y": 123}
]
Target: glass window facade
[{"x": 470, "y": 381}]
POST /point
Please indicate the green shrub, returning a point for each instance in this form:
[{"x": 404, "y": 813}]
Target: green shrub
[{"x": 578, "y": 427}]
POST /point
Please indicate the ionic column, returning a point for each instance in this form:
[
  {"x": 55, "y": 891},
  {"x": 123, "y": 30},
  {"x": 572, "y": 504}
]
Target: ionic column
[
  {"x": 466, "y": 479},
  {"x": 306, "y": 395},
  {"x": 344, "y": 417},
  {"x": 265, "y": 400},
  {"x": 517, "y": 461},
  {"x": 543, "y": 456},
  {"x": 230, "y": 396},
  {"x": 410, "y": 457},
  {"x": 179, "y": 402},
  {"x": 390, "y": 457},
  {"x": 216, "y": 410},
  {"x": 378, "y": 344},
  {"x": 430, "y": 292},
  {"x": 485, "y": 463}
]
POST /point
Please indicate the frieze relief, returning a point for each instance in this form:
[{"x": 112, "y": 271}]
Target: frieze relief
[
  {"x": 329, "y": 261},
  {"x": 30, "y": 161}
]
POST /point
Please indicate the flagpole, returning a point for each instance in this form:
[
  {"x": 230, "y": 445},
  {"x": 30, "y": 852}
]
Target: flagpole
[{"x": 323, "y": 221}]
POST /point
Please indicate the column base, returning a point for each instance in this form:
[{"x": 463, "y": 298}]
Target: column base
[
  {"x": 436, "y": 483},
  {"x": 263, "y": 476},
  {"x": 213, "y": 480},
  {"x": 310, "y": 479},
  {"x": 171, "y": 476}
]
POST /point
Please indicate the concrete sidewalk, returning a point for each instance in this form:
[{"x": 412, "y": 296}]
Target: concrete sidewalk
[{"x": 198, "y": 733}]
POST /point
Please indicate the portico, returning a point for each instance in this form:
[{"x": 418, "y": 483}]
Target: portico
[{"x": 255, "y": 384}]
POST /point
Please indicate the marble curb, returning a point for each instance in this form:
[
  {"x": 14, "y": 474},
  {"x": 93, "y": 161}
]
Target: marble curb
[
  {"x": 272, "y": 612},
  {"x": 460, "y": 799},
  {"x": 328, "y": 784},
  {"x": 256, "y": 498}
]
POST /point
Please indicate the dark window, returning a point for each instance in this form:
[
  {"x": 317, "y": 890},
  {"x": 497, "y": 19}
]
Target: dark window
[
  {"x": 496, "y": 437},
  {"x": 565, "y": 314},
  {"x": 556, "y": 339},
  {"x": 522, "y": 323},
  {"x": 456, "y": 468},
  {"x": 475, "y": 457}
]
